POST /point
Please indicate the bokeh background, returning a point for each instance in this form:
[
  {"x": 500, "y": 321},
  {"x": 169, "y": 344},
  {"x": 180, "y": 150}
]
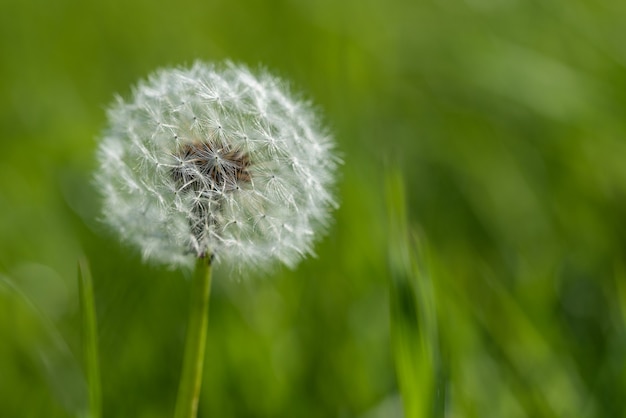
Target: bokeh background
[{"x": 505, "y": 122}]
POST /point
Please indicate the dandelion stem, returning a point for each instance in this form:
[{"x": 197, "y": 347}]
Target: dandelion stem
[{"x": 191, "y": 377}]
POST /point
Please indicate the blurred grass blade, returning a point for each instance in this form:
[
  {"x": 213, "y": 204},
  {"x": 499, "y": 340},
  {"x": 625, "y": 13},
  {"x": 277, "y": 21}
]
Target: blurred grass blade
[
  {"x": 90, "y": 337},
  {"x": 413, "y": 319},
  {"x": 39, "y": 342},
  {"x": 620, "y": 285}
]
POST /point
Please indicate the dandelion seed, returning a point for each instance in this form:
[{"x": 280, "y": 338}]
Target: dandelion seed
[{"x": 220, "y": 161}]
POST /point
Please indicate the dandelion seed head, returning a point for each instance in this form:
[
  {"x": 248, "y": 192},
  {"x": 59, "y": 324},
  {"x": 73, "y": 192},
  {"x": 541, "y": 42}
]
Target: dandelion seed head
[{"x": 220, "y": 161}]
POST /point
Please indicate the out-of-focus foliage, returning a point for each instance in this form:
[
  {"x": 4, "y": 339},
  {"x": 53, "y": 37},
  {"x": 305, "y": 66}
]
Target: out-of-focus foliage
[
  {"x": 506, "y": 120},
  {"x": 414, "y": 336}
]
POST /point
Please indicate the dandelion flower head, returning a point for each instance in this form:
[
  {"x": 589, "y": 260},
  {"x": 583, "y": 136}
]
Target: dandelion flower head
[{"x": 217, "y": 161}]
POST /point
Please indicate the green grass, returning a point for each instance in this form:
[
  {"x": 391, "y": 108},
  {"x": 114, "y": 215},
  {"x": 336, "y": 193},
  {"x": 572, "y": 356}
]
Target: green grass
[
  {"x": 90, "y": 338},
  {"x": 414, "y": 328},
  {"x": 493, "y": 288}
]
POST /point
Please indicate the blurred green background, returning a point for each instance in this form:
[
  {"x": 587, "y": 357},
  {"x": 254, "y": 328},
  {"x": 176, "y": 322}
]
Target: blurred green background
[{"x": 506, "y": 121}]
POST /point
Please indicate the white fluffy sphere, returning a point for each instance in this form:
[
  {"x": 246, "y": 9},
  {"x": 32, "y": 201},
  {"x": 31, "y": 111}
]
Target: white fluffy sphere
[{"x": 216, "y": 161}]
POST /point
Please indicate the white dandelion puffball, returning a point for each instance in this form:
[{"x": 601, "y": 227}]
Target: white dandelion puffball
[{"x": 217, "y": 161}]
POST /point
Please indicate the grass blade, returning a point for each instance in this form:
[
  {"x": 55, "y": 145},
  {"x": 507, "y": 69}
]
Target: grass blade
[
  {"x": 413, "y": 319},
  {"x": 90, "y": 338}
]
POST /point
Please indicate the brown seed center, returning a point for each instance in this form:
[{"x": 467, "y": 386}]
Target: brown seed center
[{"x": 208, "y": 167}]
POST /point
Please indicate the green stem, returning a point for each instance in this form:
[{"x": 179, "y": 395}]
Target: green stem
[{"x": 191, "y": 377}]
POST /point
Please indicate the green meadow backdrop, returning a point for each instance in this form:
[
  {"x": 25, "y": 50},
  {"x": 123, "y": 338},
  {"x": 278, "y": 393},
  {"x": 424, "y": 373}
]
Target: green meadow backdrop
[{"x": 475, "y": 268}]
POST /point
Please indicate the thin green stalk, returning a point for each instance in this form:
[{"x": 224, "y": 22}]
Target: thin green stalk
[
  {"x": 414, "y": 334},
  {"x": 191, "y": 377},
  {"x": 90, "y": 338}
]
